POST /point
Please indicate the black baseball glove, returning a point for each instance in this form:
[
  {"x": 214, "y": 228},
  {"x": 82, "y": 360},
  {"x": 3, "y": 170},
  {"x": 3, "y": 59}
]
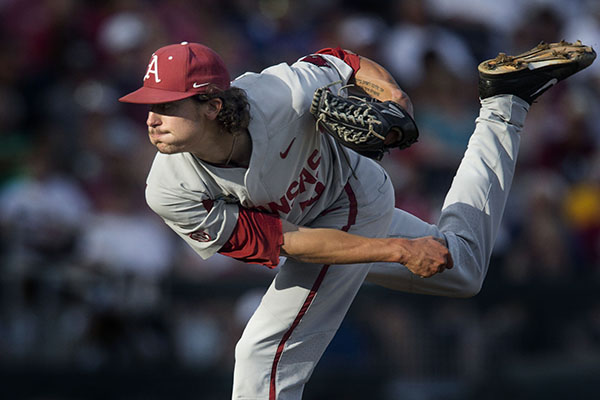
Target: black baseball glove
[{"x": 364, "y": 125}]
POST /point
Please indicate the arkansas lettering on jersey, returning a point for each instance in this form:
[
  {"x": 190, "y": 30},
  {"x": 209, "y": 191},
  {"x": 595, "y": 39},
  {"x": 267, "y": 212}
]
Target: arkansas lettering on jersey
[{"x": 308, "y": 177}]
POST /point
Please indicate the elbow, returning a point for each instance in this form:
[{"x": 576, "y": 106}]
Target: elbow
[
  {"x": 459, "y": 286},
  {"x": 469, "y": 289},
  {"x": 469, "y": 277}
]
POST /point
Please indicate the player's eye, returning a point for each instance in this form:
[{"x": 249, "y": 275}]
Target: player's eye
[{"x": 162, "y": 108}]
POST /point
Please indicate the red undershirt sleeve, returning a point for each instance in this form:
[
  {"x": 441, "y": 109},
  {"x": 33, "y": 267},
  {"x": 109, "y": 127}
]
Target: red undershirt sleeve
[
  {"x": 256, "y": 238},
  {"x": 353, "y": 60}
]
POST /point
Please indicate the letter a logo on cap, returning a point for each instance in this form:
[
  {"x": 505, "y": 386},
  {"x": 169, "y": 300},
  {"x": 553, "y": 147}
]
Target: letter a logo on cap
[
  {"x": 153, "y": 69},
  {"x": 185, "y": 70}
]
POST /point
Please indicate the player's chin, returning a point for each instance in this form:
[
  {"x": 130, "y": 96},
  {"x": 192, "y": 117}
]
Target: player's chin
[{"x": 166, "y": 148}]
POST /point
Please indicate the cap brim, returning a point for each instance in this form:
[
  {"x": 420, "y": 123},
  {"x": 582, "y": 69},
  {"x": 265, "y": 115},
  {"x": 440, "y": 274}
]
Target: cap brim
[{"x": 146, "y": 95}]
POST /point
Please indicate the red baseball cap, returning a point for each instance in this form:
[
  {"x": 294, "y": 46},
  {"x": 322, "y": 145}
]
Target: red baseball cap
[{"x": 179, "y": 71}]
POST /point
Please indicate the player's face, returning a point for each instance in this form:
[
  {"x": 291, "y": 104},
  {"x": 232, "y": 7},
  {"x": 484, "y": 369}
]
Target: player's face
[{"x": 176, "y": 127}]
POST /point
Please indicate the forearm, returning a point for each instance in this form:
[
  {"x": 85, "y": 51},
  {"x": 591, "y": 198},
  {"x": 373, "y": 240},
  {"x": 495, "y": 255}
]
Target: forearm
[
  {"x": 331, "y": 246},
  {"x": 422, "y": 256},
  {"x": 377, "y": 82}
]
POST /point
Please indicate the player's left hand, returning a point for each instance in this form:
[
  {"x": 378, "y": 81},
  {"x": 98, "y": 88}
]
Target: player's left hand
[{"x": 425, "y": 256}]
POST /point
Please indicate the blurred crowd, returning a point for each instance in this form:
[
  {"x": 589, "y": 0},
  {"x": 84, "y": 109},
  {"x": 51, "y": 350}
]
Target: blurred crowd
[{"x": 90, "y": 279}]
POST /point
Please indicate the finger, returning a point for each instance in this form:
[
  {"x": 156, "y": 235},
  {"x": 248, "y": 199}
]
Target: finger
[
  {"x": 427, "y": 274},
  {"x": 449, "y": 261}
]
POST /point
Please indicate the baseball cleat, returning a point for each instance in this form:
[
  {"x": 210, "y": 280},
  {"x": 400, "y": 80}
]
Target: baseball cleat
[{"x": 530, "y": 74}]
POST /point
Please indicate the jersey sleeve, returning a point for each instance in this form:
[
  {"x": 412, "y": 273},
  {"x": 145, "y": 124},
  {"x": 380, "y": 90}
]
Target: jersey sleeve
[
  {"x": 351, "y": 59},
  {"x": 328, "y": 67},
  {"x": 201, "y": 222},
  {"x": 283, "y": 92},
  {"x": 256, "y": 239},
  {"x": 324, "y": 68},
  {"x": 211, "y": 226}
]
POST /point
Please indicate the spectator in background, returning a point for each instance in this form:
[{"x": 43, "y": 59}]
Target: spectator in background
[
  {"x": 413, "y": 35},
  {"x": 542, "y": 249},
  {"x": 42, "y": 212}
]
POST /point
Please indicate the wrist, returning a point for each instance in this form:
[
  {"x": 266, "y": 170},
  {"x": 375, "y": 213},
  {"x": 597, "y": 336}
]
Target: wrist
[{"x": 399, "y": 252}]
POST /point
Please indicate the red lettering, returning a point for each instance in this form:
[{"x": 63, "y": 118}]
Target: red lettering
[
  {"x": 319, "y": 189},
  {"x": 291, "y": 194},
  {"x": 312, "y": 163},
  {"x": 284, "y": 207},
  {"x": 305, "y": 176},
  {"x": 299, "y": 186}
]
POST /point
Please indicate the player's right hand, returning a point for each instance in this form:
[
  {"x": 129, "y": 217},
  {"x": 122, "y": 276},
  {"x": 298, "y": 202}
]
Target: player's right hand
[{"x": 425, "y": 256}]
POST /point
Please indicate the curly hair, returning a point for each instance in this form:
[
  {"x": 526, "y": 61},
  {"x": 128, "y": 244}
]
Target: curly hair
[{"x": 235, "y": 114}]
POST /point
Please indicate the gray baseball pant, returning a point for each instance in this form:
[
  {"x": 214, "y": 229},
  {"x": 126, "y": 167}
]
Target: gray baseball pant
[{"x": 305, "y": 304}]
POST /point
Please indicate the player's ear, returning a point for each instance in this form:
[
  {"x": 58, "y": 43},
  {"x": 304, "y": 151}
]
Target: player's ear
[{"x": 213, "y": 107}]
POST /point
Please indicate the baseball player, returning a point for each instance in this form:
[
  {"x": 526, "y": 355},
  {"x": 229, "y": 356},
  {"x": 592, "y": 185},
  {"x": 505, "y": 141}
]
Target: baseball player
[{"x": 243, "y": 169}]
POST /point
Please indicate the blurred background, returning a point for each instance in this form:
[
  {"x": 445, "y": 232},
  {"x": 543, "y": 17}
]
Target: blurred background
[{"x": 99, "y": 300}]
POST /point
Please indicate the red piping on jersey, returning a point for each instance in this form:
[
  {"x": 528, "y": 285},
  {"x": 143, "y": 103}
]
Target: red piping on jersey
[{"x": 353, "y": 209}]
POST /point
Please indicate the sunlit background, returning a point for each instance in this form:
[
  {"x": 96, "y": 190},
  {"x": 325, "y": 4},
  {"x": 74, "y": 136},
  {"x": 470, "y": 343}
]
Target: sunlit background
[{"x": 99, "y": 300}]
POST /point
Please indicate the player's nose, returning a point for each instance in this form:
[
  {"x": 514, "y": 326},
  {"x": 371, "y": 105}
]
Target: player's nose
[{"x": 153, "y": 119}]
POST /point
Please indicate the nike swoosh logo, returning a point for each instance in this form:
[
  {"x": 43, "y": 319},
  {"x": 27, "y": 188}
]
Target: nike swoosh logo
[
  {"x": 285, "y": 153},
  {"x": 551, "y": 82},
  {"x": 199, "y": 85}
]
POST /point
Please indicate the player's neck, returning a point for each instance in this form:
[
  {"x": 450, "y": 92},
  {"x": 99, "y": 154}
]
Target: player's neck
[
  {"x": 241, "y": 149},
  {"x": 234, "y": 150}
]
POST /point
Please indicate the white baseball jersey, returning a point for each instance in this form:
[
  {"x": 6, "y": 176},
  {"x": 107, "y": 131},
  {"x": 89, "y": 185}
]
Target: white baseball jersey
[
  {"x": 294, "y": 170},
  {"x": 308, "y": 179}
]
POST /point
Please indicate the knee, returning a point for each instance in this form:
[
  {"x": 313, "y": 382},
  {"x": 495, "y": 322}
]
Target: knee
[
  {"x": 469, "y": 288},
  {"x": 251, "y": 373},
  {"x": 254, "y": 352},
  {"x": 245, "y": 351}
]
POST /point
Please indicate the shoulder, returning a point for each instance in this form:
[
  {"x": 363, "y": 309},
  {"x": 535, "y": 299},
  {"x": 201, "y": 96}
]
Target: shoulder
[
  {"x": 275, "y": 95},
  {"x": 269, "y": 81},
  {"x": 174, "y": 180},
  {"x": 285, "y": 87},
  {"x": 167, "y": 169}
]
